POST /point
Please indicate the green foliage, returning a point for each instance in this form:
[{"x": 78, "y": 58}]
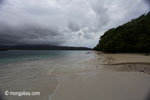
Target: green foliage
[{"x": 133, "y": 36}]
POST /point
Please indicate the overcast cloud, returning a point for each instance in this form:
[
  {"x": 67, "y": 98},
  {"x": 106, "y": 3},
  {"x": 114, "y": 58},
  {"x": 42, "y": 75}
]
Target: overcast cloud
[{"x": 64, "y": 22}]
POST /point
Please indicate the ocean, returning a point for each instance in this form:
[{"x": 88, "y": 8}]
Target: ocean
[
  {"x": 35, "y": 71},
  {"x": 28, "y": 55}
]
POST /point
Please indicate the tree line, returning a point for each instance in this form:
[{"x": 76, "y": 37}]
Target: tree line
[{"x": 133, "y": 36}]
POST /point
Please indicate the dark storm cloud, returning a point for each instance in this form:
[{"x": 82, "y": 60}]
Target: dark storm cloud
[
  {"x": 1, "y": 1},
  {"x": 31, "y": 34},
  {"x": 64, "y": 22},
  {"x": 148, "y": 3}
]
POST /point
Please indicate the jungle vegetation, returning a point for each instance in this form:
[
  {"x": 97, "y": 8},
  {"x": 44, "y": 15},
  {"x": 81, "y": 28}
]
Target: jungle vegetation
[{"x": 133, "y": 36}]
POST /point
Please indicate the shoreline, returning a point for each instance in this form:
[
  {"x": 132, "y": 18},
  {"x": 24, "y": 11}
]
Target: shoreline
[
  {"x": 80, "y": 76},
  {"x": 104, "y": 81}
]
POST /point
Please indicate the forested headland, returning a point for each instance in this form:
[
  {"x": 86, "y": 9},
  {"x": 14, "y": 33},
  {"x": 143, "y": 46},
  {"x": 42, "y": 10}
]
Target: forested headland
[{"x": 133, "y": 36}]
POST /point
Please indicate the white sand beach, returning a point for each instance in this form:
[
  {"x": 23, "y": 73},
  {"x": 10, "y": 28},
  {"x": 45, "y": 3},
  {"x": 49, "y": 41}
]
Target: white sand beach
[
  {"x": 103, "y": 86},
  {"x": 86, "y": 75},
  {"x": 107, "y": 77},
  {"x": 121, "y": 62},
  {"x": 118, "y": 58}
]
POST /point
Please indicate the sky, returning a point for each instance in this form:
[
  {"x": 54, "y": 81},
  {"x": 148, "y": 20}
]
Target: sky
[{"x": 64, "y": 22}]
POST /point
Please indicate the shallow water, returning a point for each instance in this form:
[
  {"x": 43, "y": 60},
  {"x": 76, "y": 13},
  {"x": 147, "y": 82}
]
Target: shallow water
[
  {"x": 35, "y": 71},
  {"x": 28, "y": 55},
  {"x": 63, "y": 75}
]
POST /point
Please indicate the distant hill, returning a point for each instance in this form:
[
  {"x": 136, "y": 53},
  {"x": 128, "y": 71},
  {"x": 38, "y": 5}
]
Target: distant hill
[
  {"x": 133, "y": 36},
  {"x": 39, "y": 47}
]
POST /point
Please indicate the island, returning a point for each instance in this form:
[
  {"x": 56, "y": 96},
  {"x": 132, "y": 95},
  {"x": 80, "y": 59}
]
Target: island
[{"x": 39, "y": 47}]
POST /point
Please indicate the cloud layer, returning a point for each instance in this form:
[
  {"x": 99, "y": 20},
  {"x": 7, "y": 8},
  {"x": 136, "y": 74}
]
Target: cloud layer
[{"x": 63, "y": 22}]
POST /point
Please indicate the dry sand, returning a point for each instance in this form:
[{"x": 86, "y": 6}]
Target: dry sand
[
  {"x": 121, "y": 62},
  {"x": 103, "y": 58}
]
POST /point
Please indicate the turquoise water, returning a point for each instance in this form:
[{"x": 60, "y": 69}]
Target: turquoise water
[
  {"x": 28, "y": 55},
  {"x": 37, "y": 71}
]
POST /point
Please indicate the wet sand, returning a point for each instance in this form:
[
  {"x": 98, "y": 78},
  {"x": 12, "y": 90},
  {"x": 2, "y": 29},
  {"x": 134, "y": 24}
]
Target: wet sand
[
  {"x": 103, "y": 85},
  {"x": 93, "y": 76},
  {"x": 107, "y": 77}
]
